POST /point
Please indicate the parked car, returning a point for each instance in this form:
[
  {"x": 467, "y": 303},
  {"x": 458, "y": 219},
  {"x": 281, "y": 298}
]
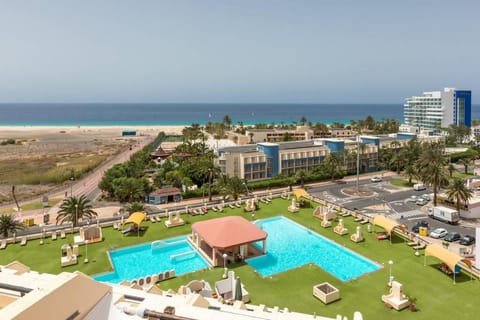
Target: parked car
[
  {"x": 467, "y": 240},
  {"x": 376, "y": 179},
  {"x": 419, "y": 187},
  {"x": 426, "y": 196},
  {"x": 452, "y": 236},
  {"x": 421, "y": 202},
  {"x": 416, "y": 227},
  {"x": 438, "y": 233}
]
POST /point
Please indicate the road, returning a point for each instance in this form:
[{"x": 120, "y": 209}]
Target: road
[
  {"x": 87, "y": 186},
  {"x": 397, "y": 203}
]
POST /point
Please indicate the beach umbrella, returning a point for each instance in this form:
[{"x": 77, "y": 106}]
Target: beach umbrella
[{"x": 238, "y": 289}]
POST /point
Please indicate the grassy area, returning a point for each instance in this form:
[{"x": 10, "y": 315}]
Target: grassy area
[
  {"x": 437, "y": 297},
  {"x": 462, "y": 175},
  {"x": 48, "y": 169},
  {"x": 32, "y": 205},
  {"x": 401, "y": 183}
]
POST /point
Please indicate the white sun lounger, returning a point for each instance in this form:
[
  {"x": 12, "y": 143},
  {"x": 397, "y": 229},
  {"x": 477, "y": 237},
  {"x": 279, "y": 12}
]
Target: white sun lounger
[
  {"x": 62, "y": 234},
  {"x": 54, "y": 235},
  {"x": 4, "y": 244},
  {"x": 24, "y": 241}
]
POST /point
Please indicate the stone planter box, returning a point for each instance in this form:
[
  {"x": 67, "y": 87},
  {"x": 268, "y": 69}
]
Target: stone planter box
[{"x": 326, "y": 292}]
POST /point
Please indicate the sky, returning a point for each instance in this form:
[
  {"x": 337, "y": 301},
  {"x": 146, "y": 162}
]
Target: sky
[{"x": 310, "y": 51}]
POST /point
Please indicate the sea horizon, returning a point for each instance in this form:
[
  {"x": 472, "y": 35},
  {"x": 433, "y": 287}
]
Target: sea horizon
[{"x": 184, "y": 114}]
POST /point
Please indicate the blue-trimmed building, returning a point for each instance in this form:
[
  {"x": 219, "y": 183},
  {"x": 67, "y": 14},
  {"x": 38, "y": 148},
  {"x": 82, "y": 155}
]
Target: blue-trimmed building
[
  {"x": 439, "y": 109},
  {"x": 266, "y": 160}
]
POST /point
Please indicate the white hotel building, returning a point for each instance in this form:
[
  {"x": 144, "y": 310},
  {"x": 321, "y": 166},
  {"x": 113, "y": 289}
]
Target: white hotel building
[{"x": 436, "y": 109}]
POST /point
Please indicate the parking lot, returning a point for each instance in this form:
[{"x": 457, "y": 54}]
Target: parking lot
[{"x": 396, "y": 202}]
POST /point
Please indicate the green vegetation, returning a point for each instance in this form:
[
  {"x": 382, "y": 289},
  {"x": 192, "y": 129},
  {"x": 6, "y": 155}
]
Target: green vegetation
[
  {"x": 33, "y": 205},
  {"x": 9, "y": 225},
  {"x": 436, "y": 296},
  {"x": 48, "y": 169},
  {"x": 74, "y": 209},
  {"x": 459, "y": 192},
  {"x": 401, "y": 183},
  {"x": 462, "y": 175},
  {"x": 8, "y": 141}
]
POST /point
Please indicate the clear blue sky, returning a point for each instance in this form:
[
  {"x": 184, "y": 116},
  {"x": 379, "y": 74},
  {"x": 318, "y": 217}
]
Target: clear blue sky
[{"x": 236, "y": 51}]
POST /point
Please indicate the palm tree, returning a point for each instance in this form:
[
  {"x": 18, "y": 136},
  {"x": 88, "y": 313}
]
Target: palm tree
[
  {"x": 398, "y": 161},
  {"x": 301, "y": 175},
  {"x": 303, "y": 119},
  {"x": 222, "y": 185},
  {"x": 236, "y": 187},
  {"x": 332, "y": 164},
  {"x": 431, "y": 169},
  {"x": 8, "y": 225},
  {"x": 73, "y": 209},
  {"x": 450, "y": 169},
  {"x": 464, "y": 162},
  {"x": 410, "y": 173},
  {"x": 135, "y": 207},
  {"x": 459, "y": 192},
  {"x": 227, "y": 121}
]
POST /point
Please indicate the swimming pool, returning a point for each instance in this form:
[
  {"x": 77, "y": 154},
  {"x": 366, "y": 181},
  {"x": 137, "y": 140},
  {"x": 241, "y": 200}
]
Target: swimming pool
[
  {"x": 290, "y": 245},
  {"x": 142, "y": 260}
]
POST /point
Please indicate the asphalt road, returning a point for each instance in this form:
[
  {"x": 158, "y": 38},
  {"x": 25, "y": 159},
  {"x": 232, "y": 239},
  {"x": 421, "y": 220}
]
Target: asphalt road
[{"x": 397, "y": 203}]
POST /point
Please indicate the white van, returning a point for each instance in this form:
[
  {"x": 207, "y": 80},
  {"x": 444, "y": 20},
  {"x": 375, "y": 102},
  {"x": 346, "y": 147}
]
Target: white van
[{"x": 419, "y": 187}]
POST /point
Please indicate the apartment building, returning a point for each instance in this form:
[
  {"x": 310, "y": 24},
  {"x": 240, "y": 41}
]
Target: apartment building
[{"x": 436, "y": 109}]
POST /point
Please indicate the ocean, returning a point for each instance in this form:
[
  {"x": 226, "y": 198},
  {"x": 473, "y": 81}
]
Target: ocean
[{"x": 131, "y": 114}]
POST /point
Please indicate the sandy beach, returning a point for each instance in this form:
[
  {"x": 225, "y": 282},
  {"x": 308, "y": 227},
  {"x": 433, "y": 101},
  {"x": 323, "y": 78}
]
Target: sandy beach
[
  {"x": 22, "y": 132},
  {"x": 38, "y": 140}
]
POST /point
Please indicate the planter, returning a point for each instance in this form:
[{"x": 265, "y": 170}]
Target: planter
[{"x": 326, "y": 292}]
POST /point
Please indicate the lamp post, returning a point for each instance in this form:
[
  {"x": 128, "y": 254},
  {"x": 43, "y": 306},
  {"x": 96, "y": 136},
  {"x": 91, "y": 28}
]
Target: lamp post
[
  {"x": 224, "y": 265},
  {"x": 390, "y": 277},
  {"x": 358, "y": 163},
  {"x": 43, "y": 236},
  {"x": 86, "y": 252},
  {"x": 76, "y": 217},
  {"x": 246, "y": 187},
  {"x": 71, "y": 186}
]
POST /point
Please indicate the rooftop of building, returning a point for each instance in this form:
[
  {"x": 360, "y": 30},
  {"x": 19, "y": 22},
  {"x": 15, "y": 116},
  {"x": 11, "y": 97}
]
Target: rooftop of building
[{"x": 28, "y": 295}]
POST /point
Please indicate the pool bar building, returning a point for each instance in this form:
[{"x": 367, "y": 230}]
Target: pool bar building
[{"x": 227, "y": 239}]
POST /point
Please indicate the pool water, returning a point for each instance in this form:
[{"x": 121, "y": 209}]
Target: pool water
[
  {"x": 139, "y": 261},
  {"x": 290, "y": 245}
]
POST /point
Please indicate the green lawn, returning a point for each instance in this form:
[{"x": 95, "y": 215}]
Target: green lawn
[
  {"x": 462, "y": 175},
  {"x": 437, "y": 297},
  {"x": 401, "y": 183}
]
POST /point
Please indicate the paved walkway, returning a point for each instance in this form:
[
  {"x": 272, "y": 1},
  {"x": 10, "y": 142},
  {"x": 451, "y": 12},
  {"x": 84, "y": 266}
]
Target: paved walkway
[{"x": 108, "y": 211}]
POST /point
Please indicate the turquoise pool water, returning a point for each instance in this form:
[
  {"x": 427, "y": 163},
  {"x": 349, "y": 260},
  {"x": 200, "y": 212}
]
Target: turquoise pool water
[
  {"x": 139, "y": 261},
  {"x": 290, "y": 245}
]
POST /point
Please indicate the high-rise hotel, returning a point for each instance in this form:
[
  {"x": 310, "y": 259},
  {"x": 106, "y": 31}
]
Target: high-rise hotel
[{"x": 436, "y": 109}]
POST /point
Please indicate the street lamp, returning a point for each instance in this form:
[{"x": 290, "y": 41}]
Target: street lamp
[
  {"x": 246, "y": 187},
  {"x": 390, "y": 277},
  {"x": 86, "y": 252},
  {"x": 71, "y": 186},
  {"x": 76, "y": 217},
  {"x": 358, "y": 163},
  {"x": 43, "y": 236},
  {"x": 224, "y": 265}
]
